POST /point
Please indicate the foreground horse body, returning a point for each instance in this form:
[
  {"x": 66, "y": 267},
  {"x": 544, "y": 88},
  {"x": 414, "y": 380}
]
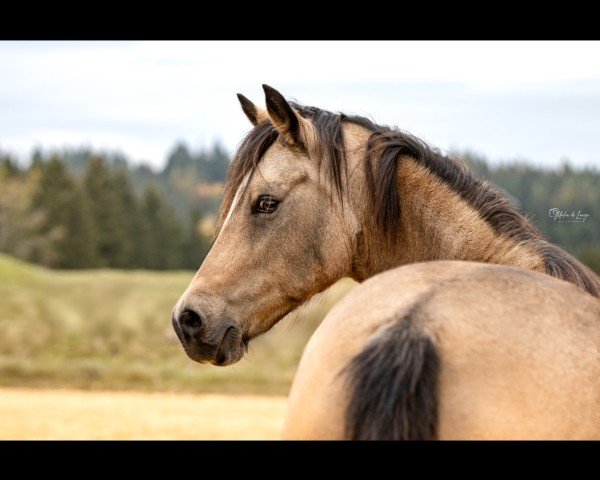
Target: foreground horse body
[{"x": 452, "y": 350}]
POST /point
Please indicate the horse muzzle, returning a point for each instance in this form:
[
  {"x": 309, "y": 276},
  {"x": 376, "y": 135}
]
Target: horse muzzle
[{"x": 220, "y": 343}]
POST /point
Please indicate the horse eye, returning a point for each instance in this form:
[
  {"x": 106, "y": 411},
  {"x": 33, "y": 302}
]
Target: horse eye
[{"x": 265, "y": 204}]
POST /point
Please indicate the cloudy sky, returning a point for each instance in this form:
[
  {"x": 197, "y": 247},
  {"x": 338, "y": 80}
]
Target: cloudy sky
[{"x": 534, "y": 100}]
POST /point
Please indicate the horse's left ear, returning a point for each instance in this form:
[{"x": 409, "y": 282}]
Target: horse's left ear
[{"x": 284, "y": 117}]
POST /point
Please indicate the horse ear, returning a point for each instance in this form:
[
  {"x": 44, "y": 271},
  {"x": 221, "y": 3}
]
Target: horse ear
[
  {"x": 254, "y": 114},
  {"x": 283, "y": 116}
]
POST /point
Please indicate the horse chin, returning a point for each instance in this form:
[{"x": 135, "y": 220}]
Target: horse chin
[
  {"x": 251, "y": 335},
  {"x": 223, "y": 360}
]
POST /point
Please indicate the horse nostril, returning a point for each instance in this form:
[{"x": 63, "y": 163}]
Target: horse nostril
[{"x": 190, "y": 322}]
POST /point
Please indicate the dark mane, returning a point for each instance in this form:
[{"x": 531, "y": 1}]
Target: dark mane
[{"x": 386, "y": 148}]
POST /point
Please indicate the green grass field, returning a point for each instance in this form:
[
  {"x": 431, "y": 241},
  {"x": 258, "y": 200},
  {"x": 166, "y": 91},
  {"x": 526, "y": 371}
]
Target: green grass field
[{"x": 109, "y": 329}]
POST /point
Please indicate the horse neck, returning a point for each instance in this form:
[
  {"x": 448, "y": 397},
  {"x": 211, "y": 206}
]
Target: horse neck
[{"x": 436, "y": 224}]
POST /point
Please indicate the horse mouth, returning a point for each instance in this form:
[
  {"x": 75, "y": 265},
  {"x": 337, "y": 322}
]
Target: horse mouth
[
  {"x": 231, "y": 349},
  {"x": 228, "y": 350}
]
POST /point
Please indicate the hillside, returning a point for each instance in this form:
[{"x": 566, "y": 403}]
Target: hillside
[{"x": 111, "y": 329}]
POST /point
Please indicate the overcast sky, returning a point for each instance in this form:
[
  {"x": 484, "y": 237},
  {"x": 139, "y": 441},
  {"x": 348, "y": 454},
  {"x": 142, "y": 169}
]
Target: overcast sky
[{"x": 534, "y": 100}]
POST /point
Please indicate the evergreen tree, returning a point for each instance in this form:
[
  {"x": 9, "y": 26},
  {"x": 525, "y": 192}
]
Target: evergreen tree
[
  {"x": 79, "y": 247},
  {"x": 37, "y": 158},
  {"x": 9, "y": 166},
  {"x": 179, "y": 159},
  {"x": 107, "y": 196},
  {"x": 161, "y": 244},
  {"x": 218, "y": 164},
  {"x": 127, "y": 217},
  {"x": 196, "y": 245},
  {"x": 66, "y": 211}
]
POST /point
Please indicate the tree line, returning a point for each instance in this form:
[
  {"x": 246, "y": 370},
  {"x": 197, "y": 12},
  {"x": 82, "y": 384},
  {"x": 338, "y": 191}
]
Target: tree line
[
  {"x": 52, "y": 216},
  {"x": 84, "y": 209}
]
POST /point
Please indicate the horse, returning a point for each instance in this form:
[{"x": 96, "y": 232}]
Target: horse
[
  {"x": 313, "y": 196},
  {"x": 452, "y": 350}
]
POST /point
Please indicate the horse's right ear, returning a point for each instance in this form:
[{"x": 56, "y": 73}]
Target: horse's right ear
[{"x": 254, "y": 114}]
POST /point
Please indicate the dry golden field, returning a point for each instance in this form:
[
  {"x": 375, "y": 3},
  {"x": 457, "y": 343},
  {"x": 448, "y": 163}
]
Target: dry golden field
[
  {"x": 73, "y": 414},
  {"x": 111, "y": 330}
]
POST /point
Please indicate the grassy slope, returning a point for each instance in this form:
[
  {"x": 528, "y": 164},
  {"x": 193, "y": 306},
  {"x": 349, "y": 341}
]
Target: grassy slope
[{"x": 109, "y": 329}]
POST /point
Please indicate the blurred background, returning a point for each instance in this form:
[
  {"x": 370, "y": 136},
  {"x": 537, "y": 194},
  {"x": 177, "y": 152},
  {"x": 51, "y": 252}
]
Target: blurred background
[{"x": 113, "y": 157}]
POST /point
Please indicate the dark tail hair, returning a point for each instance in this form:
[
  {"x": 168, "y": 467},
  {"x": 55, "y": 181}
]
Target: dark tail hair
[{"x": 393, "y": 386}]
